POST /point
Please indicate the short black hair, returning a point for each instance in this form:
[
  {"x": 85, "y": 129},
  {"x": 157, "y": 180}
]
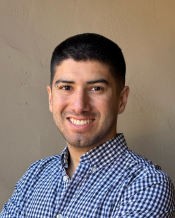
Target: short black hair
[{"x": 91, "y": 47}]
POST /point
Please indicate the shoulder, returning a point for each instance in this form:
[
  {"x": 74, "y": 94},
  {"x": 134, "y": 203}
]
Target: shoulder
[
  {"x": 38, "y": 169},
  {"x": 148, "y": 190},
  {"x": 141, "y": 170},
  {"x": 44, "y": 164}
]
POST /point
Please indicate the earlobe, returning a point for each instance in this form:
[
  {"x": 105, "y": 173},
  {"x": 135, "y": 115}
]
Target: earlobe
[
  {"x": 50, "y": 97},
  {"x": 123, "y": 99}
]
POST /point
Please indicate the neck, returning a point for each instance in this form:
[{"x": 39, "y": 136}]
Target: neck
[
  {"x": 77, "y": 152},
  {"x": 74, "y": 160}
]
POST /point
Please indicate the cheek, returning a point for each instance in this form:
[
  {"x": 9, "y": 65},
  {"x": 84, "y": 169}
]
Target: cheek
[
  {"x": 109, "y": 109},
  {"x": 59, "y": 103},
  {"x": 106, "y": 103}
]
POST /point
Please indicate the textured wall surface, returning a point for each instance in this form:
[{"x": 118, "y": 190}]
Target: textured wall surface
[{"x": 30, "y": 30}]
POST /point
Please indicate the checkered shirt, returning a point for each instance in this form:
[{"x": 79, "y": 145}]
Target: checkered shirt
[{"x": 110, "y": 181}]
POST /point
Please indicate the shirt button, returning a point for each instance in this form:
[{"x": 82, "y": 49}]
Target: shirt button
[
  {"x": 94, "y": 169},
  {"x": 65, "y": 178},
  {"x": 59, "y": 216}
]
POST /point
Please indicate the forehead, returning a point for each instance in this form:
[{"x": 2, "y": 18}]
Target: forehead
[{"x": 82, "y": 70}]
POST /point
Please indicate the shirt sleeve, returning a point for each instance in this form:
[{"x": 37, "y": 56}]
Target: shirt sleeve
[
  {"x": 156, "y": 200},
  {"x": 13, "y": 208}
]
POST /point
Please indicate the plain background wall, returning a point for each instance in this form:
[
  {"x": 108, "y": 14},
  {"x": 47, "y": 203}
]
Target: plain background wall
[{"x": 30, "y": 30}]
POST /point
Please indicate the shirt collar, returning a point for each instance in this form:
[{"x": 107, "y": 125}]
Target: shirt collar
[
  {"x": 65, "y": 157},
  {"x": 101, "y": 155}
]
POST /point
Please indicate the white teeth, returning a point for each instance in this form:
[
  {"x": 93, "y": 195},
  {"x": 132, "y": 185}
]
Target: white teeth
[{"x": 80, "y": 122}]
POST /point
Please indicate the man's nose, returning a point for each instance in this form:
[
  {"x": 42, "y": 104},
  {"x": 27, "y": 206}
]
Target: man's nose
[{"x": 80, "y": 102}]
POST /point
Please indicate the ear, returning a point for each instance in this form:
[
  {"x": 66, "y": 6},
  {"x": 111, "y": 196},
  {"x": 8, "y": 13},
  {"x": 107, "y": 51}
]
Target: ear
[
  {"x": 123, "y": 99},
  {"x": 50, "y": 97}
]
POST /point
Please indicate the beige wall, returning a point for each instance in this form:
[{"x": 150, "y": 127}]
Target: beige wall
[{"x": 29, "y": 31}]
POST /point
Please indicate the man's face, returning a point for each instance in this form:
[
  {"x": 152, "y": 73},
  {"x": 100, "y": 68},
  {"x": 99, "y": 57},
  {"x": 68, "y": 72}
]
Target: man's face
[{"x": 84, "y": 102}]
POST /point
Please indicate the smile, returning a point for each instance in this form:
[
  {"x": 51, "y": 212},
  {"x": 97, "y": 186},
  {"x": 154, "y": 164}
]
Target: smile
[{"x": 80, "y": 122}]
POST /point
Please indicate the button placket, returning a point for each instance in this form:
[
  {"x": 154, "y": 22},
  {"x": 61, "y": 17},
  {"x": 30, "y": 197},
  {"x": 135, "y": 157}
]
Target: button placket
[
  {"x": 65, "y": 178},
  {"x": 94, "y": 169}
]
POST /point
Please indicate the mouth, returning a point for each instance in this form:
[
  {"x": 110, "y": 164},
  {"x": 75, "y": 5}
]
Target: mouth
[{"x": 80, "y": 122}]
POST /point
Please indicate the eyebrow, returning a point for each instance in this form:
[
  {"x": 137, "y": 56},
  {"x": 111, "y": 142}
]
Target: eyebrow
[
  {"x": 64, "y": 81},
  {"x": 88, "y": 82},
  {"x": 98, "y": 81}
]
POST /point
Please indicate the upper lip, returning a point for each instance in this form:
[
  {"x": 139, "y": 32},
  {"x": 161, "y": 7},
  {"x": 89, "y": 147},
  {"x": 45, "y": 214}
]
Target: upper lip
[{"x": 81, "y": 118}]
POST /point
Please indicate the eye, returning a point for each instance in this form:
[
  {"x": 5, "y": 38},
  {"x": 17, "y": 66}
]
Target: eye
[
  {"x": 97, "y": 88},
  {"x": 66, "y": 88}
]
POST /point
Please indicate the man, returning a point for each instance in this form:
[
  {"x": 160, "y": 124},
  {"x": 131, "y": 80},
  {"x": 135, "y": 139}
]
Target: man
[{"x": 96, "y": 175}]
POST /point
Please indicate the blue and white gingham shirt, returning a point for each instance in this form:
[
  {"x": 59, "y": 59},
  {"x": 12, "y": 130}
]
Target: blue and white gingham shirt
[{"x": 110, "y": 181}]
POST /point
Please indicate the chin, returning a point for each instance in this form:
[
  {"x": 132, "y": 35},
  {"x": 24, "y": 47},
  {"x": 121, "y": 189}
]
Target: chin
[{"x": 82, "y": 141}]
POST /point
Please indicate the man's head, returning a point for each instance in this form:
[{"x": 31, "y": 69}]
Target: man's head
[
  {"x": 86, "y": 71},
  {"x": 91, "y": 47}
]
